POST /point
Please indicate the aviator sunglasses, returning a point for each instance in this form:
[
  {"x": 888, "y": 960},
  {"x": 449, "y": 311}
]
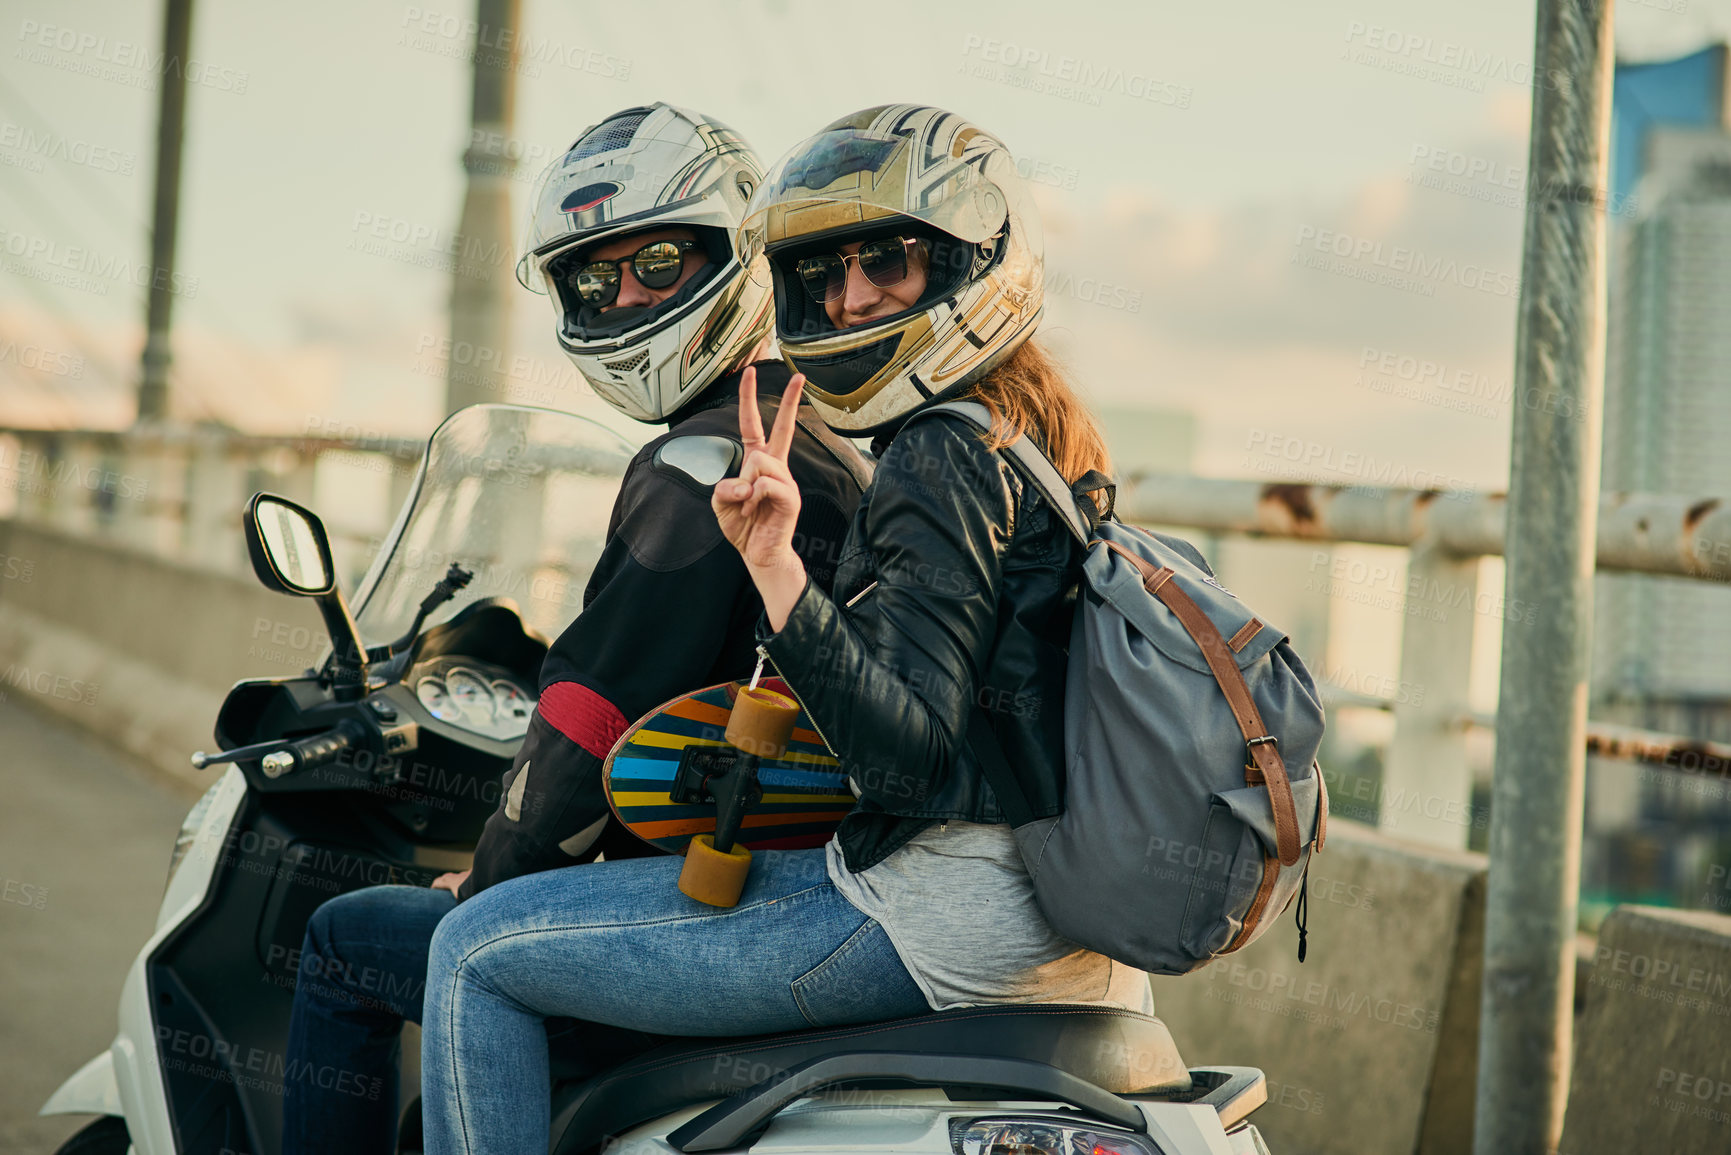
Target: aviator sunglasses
[
  {"x": 656, "y": 266},
  {"x": 884, "y": 263}
]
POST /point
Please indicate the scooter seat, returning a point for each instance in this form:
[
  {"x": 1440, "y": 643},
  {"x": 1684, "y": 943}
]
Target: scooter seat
[{"x": 1118, "y": 1051}]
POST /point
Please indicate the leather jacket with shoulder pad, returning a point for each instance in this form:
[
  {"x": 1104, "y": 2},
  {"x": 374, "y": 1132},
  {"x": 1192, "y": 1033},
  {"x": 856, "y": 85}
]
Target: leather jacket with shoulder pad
[{"x": 669, "y": 609}]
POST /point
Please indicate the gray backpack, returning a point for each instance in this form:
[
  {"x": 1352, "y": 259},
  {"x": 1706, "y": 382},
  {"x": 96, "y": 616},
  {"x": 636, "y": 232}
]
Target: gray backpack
[{"x": 1192, "y": 799}]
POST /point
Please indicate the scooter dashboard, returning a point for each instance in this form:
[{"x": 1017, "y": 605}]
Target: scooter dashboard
[{"x": 474, "y": 696}]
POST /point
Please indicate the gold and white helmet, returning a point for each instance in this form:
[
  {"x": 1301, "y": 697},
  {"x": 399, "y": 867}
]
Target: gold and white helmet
[
  {"x": 906, "y": 169},
  {"x": 649, "y": 168}
]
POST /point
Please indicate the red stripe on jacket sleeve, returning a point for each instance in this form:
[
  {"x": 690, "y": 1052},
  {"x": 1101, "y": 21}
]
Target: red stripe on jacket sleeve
[{"x": 583, "y": 716}]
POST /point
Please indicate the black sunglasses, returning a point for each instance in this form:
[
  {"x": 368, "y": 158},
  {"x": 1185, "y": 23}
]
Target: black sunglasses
[
  {"x": 656, "y": 266},
  {"x": 884, "y": 263}
]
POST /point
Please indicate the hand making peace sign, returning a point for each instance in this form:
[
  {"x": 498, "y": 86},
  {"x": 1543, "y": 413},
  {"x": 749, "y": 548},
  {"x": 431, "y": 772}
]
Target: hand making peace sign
[{"x": 759, "y": 509}]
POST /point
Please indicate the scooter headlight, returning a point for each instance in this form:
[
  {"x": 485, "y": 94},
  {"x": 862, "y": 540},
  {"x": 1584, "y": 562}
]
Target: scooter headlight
[{"x": 1043, "y": 1136}]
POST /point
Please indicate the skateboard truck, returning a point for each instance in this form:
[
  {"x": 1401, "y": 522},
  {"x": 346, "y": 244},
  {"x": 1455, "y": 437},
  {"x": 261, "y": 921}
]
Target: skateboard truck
[
  {"x": 726, "y": 776},
  {"x": 759, "y": 727}
]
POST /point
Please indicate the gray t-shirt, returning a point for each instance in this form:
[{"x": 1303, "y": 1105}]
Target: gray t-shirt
[{"x": 958, "y": 906}]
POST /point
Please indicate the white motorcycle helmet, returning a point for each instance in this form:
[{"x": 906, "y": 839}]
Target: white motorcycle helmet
[
  {"x": 641, "y": 169},
  {"x": 950, "y": 192}
]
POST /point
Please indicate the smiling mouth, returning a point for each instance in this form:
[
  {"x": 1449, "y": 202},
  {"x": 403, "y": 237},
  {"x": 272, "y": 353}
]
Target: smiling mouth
[{"x": 875, "y": 312}]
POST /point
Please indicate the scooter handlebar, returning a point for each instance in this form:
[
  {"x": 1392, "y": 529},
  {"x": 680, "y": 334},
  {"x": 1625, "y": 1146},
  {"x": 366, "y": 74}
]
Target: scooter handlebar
[{"x": 307, "y": 753}]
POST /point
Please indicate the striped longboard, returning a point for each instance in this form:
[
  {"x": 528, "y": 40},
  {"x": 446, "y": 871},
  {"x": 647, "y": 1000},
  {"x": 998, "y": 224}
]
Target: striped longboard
[{"x": 805, "y": 793}]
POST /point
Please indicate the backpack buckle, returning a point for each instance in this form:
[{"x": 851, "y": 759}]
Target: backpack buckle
[{"x": 1253, "y": 772}]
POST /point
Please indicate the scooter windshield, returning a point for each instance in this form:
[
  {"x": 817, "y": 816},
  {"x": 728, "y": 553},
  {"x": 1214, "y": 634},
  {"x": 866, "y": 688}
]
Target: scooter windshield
[{"x": 519, "y": 497}]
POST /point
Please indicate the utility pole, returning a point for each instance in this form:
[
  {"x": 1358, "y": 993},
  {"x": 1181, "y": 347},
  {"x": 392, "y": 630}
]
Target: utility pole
[
  {"x": 1525, "y": 1025},
  {"x": 170, "y": 130},
  {"x": 482, "y": 260}
]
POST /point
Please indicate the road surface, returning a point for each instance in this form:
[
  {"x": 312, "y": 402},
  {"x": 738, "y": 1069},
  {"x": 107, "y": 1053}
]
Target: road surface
[{"x": 85, "y": 836}]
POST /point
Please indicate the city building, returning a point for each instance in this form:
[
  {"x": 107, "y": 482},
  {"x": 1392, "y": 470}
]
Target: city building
[{"x": 1662, "y": 646}]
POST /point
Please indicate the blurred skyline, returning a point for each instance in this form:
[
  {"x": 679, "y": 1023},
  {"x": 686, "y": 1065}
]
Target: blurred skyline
[{"x": 1195, "y": 197}]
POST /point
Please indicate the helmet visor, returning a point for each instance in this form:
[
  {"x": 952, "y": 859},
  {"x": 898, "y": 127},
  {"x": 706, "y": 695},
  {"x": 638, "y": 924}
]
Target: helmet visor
[
  {"x": 585, "y": 197},
  {"x": 852, "y": 180}
]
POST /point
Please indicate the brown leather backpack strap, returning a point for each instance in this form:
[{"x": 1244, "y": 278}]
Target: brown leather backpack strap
[
  {"x": 1142, "y": 564},
  {"x": 1321, "y": 806},
  {"x": 1244, "y": 635},
  {"x": 1259, "y": 744},
  {"x": 846, "y": 454}
]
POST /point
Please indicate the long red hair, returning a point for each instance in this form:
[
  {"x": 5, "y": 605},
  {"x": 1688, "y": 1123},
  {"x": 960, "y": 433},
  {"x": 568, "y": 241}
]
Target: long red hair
[{"x": 1030, "y": 390}]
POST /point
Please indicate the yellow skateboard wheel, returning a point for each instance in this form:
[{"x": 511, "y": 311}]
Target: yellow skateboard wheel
[
  {"x": 762, "y": 722},
  {"x": 711, "y": 876}
]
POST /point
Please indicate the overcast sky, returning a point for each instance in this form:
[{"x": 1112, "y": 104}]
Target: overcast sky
[{"x": 1183, "y": 197}]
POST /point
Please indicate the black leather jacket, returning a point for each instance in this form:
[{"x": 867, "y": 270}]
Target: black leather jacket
[
  {"x": 669, "y": 608},
  {"x": 956, "y": 587}
]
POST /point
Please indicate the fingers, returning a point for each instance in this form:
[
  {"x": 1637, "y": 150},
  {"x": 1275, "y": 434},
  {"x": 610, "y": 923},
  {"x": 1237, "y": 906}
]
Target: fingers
[
  {"x": 786, "y": 419},
  {"x": 725, "y": 507},
  {"x": 762, "y": 462},
  {"x": 768, "y": 468},
  {"x": 750, "y": 420},
  {"x": 729, "y": 491},
  {"x": 775, "y": 491},
  {"x": 764, "y": 474}
]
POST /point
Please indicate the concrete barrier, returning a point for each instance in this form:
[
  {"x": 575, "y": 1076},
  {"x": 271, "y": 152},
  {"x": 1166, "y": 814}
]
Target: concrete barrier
[
  {"x": 1370, "y": 1045},
  {"x": 135, "y": 649},
  {"x": 1653, "y": 1046}
]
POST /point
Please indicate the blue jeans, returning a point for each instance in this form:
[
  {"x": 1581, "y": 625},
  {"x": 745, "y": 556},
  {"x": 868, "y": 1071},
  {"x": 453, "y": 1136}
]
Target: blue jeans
[
  {"x": 363, "y": 968},
  {"x": 617, "y": 943}
]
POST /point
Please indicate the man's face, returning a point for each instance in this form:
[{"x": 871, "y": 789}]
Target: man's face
[
  {"x": 632, "y": 292},
  {"x": 862, "y": 301}
]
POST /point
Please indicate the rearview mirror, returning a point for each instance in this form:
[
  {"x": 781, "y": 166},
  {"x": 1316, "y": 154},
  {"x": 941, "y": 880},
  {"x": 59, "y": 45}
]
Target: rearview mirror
[{"x": 291, "y": 553}]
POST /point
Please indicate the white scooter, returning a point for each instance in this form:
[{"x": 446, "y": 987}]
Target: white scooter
[{"x": 383, "y": 765}]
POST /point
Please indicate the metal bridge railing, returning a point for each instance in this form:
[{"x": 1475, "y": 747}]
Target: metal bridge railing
[{"x": 1686, "y": 536}]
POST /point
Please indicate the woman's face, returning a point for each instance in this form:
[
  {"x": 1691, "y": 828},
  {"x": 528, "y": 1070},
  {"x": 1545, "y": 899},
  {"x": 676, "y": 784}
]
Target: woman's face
[{"x": 862, "y": 301}]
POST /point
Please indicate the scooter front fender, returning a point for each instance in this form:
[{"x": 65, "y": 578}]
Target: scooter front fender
[
  {"x": 92, "y": 1091},
  {"x": 137, "y": 1063},
  {"x": 126, "y": 1080}
]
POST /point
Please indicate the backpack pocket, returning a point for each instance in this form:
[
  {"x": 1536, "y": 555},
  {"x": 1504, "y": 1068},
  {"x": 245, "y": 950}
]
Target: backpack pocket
[
  {"x": 1031, "y": 840},
  {"x": 1238, "y": 885}
]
